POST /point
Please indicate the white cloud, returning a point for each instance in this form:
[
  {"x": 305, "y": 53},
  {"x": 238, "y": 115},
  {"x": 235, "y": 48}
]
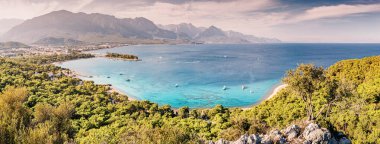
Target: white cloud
[
  {"x": 258, "y": 17},
  {"x": 336, "y": 11},
  {"x": 26, "y": 9}
]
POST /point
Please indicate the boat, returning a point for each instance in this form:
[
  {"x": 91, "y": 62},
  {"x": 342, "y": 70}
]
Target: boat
[
  {"x": 128, "y": 80},
  {"x": 224, "y": 88},
  {"x": 243, "y": 87},
  {"x": 176, "y": 85}
]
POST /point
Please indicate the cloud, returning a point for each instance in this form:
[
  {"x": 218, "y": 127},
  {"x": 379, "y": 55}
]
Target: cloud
[
  {"x": 259, "y": 17},
  {"x": 26, "y": 9},
  {"x": 335, "y": 11}
]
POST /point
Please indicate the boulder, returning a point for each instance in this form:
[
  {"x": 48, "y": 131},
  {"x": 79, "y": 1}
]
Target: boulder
[
  {"x": 292, "y": 132},
  {"x": 242, "y": 140},
  {"x": 266, "y": 140},
  {"x": 254, "y": 139},
  {"x": 275, "y": 136},
  {"x": 222, "y": 141},
  {"x": 314, "y": 134}
]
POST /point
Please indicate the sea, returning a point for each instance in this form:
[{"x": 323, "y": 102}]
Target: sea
[{"x": 203, "y": 76}]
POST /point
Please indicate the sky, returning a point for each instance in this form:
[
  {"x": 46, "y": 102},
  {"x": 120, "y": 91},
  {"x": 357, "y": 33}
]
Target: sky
[{"x": 342, "y": 21}]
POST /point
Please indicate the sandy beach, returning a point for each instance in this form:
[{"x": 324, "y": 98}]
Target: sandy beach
[
  {"x": 113, "y": 89},
  {"x": 270, "y": 94},
  {"x": 275, "y": 91}
]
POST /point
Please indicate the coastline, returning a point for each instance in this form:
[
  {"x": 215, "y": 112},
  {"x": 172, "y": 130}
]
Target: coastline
[
  {"x": 114, "y": 89},
  {"x": 274, "y": 90}
]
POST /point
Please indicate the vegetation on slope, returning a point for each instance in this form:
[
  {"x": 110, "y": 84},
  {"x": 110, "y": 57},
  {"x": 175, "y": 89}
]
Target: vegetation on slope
[
  {"x": 48, "y": 59},
  {"x": 40, "y": 104}
]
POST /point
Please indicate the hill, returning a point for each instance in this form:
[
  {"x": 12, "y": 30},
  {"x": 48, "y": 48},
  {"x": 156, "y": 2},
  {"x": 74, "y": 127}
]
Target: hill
[
  {"x": 53, "y": 107},
  {"x": 52, "y": 41},
  {"x": 95, "y": 28},
  {"x": 214, "y": 34},
  {"x": 9, "y": 45},
  {"x": 86, "y": 27}
]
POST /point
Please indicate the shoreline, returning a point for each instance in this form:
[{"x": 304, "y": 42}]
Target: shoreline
[
  {"x": 114, "y": 89},
  {"x": 273, "y": 91}
]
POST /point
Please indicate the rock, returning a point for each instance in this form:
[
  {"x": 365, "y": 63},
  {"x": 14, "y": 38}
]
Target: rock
[
  {"x": 266, "y": 140},
  {"x": 344, "y": 140},
  {"x": 292, "y": 132},
  {"x": 254, "y": 139},
  {"x": 275, "y": 136},
  {"x": 222, "y": 141},
  {"x": 242, "y": 140},
  {"x": 313, "y": 134}
]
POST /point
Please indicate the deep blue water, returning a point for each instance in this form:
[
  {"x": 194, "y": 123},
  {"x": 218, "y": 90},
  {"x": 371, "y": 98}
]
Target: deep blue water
[{"x": 201, "y": 71}]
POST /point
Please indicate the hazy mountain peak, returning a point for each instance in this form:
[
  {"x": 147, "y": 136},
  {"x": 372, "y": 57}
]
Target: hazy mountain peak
[
  {"x": 212, "y": 31},
  {"x": 86, "y": 27},
  {"x": 97, "y": 27}
]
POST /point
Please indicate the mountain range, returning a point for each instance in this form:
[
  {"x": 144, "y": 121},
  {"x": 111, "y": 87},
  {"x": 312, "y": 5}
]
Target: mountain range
[
  {"x": 214, "y": 34},
  {"x": 81, "y": 27}
]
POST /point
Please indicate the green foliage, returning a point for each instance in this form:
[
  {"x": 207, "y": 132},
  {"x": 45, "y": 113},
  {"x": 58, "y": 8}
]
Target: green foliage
[
  {"x": 122, "y": 56},
  {"x": 50, "y": 107},
  {"x": 47, "y": 59}
]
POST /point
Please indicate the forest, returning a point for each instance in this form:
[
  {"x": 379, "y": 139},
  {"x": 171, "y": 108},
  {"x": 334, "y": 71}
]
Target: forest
[{"x": 39, "y": 103}]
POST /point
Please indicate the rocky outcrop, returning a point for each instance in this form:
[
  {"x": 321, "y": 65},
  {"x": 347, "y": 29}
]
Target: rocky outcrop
[
  {"x": 311, "y": 134},
  {"x": 292, "y": 132},
  {"x": 314, "y": 134}
]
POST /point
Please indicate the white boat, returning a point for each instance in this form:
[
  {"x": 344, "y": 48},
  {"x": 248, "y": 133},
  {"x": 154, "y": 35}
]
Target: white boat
[
  {"x": 176, "y": 85},
  {"x": 224, "y": 88},
  {"x": 243, "y": 87}
]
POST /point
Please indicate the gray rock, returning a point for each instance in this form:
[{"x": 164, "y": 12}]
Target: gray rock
[
  {"x": 266, "y": 140},
  {"x": 242, "y": 140},
  {"x": 313, "y": 134},
  {"x": 222, "y": 141},
  {"x": 275, "y": 136},
  {"x": 292, "y": 132},
  {"x": 254, "y": 139}
]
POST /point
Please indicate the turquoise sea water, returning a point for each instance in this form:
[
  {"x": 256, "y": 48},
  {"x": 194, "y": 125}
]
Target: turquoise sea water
[{"x": 201, "y": 71}]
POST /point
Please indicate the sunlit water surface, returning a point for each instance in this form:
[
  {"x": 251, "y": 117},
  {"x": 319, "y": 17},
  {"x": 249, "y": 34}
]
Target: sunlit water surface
[{"x": 201, "y": 71}]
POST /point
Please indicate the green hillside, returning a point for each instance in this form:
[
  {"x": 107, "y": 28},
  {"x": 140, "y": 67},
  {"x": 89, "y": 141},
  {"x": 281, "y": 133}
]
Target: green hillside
[{"x": 39, "y": 103}]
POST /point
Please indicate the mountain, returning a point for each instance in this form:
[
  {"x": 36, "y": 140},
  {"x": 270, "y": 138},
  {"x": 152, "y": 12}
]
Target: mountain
[
  {"x": 52, "y": 41},
  {"x": 215, "y": 35},
  {"x": 184, "y": 28},
  {"x": 86, "y": 27},
  {"x": 251, "y": 38},
  {"x": 9, "y": 45},
  {"x": 105, "y": 28},
  {"x": 7, "y": 24}
]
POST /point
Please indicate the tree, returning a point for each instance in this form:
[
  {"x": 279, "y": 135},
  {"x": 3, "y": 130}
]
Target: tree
[
  {"x": 14, "y": 116},
  {"x": 183, "y": 112},
  {"x": 304, "y": 81}
]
